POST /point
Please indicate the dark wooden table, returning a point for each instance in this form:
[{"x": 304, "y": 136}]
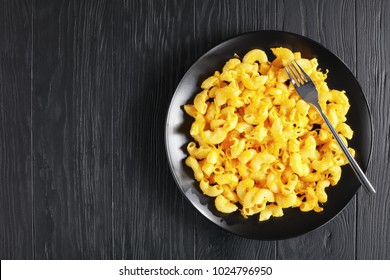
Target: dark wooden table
[{"x": 84, "y": 91}]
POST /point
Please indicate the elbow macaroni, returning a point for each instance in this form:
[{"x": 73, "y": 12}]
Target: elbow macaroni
[{"x": 258, "y": 146}]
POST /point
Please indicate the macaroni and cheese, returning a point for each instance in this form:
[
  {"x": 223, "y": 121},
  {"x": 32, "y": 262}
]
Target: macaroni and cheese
[{"x": 258, "y": 147}]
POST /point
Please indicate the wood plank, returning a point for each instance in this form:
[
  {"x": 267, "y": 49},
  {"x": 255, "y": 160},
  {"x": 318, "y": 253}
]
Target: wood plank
[
  {"x": 153, "y": 45},
  {"x": 331, "y": 23},
  {"x": 16, "y": 239},
  {"x": 219, "y": 20},
  {"x": 215, "y": 22},
  {"x": 373, "y": 68},
  {"x": 72, "y": 135}
]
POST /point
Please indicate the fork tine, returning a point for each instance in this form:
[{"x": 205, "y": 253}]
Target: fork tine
[
  {"x": 288, "y": 73},
  {"x": 297, "y": 73},
  {"x": 293, "y": 76},
  {"x": 301, "y": 72}
]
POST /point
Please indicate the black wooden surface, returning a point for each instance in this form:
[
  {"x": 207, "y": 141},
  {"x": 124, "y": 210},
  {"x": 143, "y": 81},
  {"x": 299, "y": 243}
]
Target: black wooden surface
[{"x": 84, "y": 90}]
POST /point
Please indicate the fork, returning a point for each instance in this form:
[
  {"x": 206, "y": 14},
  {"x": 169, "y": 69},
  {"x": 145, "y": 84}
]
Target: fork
[{"x": 308, "y": 92}]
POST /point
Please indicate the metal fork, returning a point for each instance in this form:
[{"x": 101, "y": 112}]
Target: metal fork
[{"x": 308, "y": 92}]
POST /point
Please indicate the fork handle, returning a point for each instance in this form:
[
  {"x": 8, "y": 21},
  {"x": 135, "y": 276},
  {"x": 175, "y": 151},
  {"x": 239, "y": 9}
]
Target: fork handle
[{"x": 355, "y": 166}]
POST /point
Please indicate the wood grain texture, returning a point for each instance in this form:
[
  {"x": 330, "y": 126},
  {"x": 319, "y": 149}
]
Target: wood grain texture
[
  {"x": 84, "y": 91},
  {"x": 72, "y": 129},
  {"x": 153, "y": 45},
  {"x": 216, "y": 21},
  {"x": 331, "y": 23},
  {"x": 16, "y": 239},
  {"x": 373, "y": 68}
]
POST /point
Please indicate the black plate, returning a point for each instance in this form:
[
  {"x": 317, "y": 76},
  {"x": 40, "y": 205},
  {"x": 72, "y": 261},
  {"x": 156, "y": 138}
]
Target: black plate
[{"x": 294, "y": 222}]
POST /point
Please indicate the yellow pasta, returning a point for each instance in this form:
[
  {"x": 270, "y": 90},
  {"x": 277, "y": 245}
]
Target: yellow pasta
[
  {"x": 224, "y": 205},
  {"x": 210, "y": 190},
  {"x": 258, "y": 147}
]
